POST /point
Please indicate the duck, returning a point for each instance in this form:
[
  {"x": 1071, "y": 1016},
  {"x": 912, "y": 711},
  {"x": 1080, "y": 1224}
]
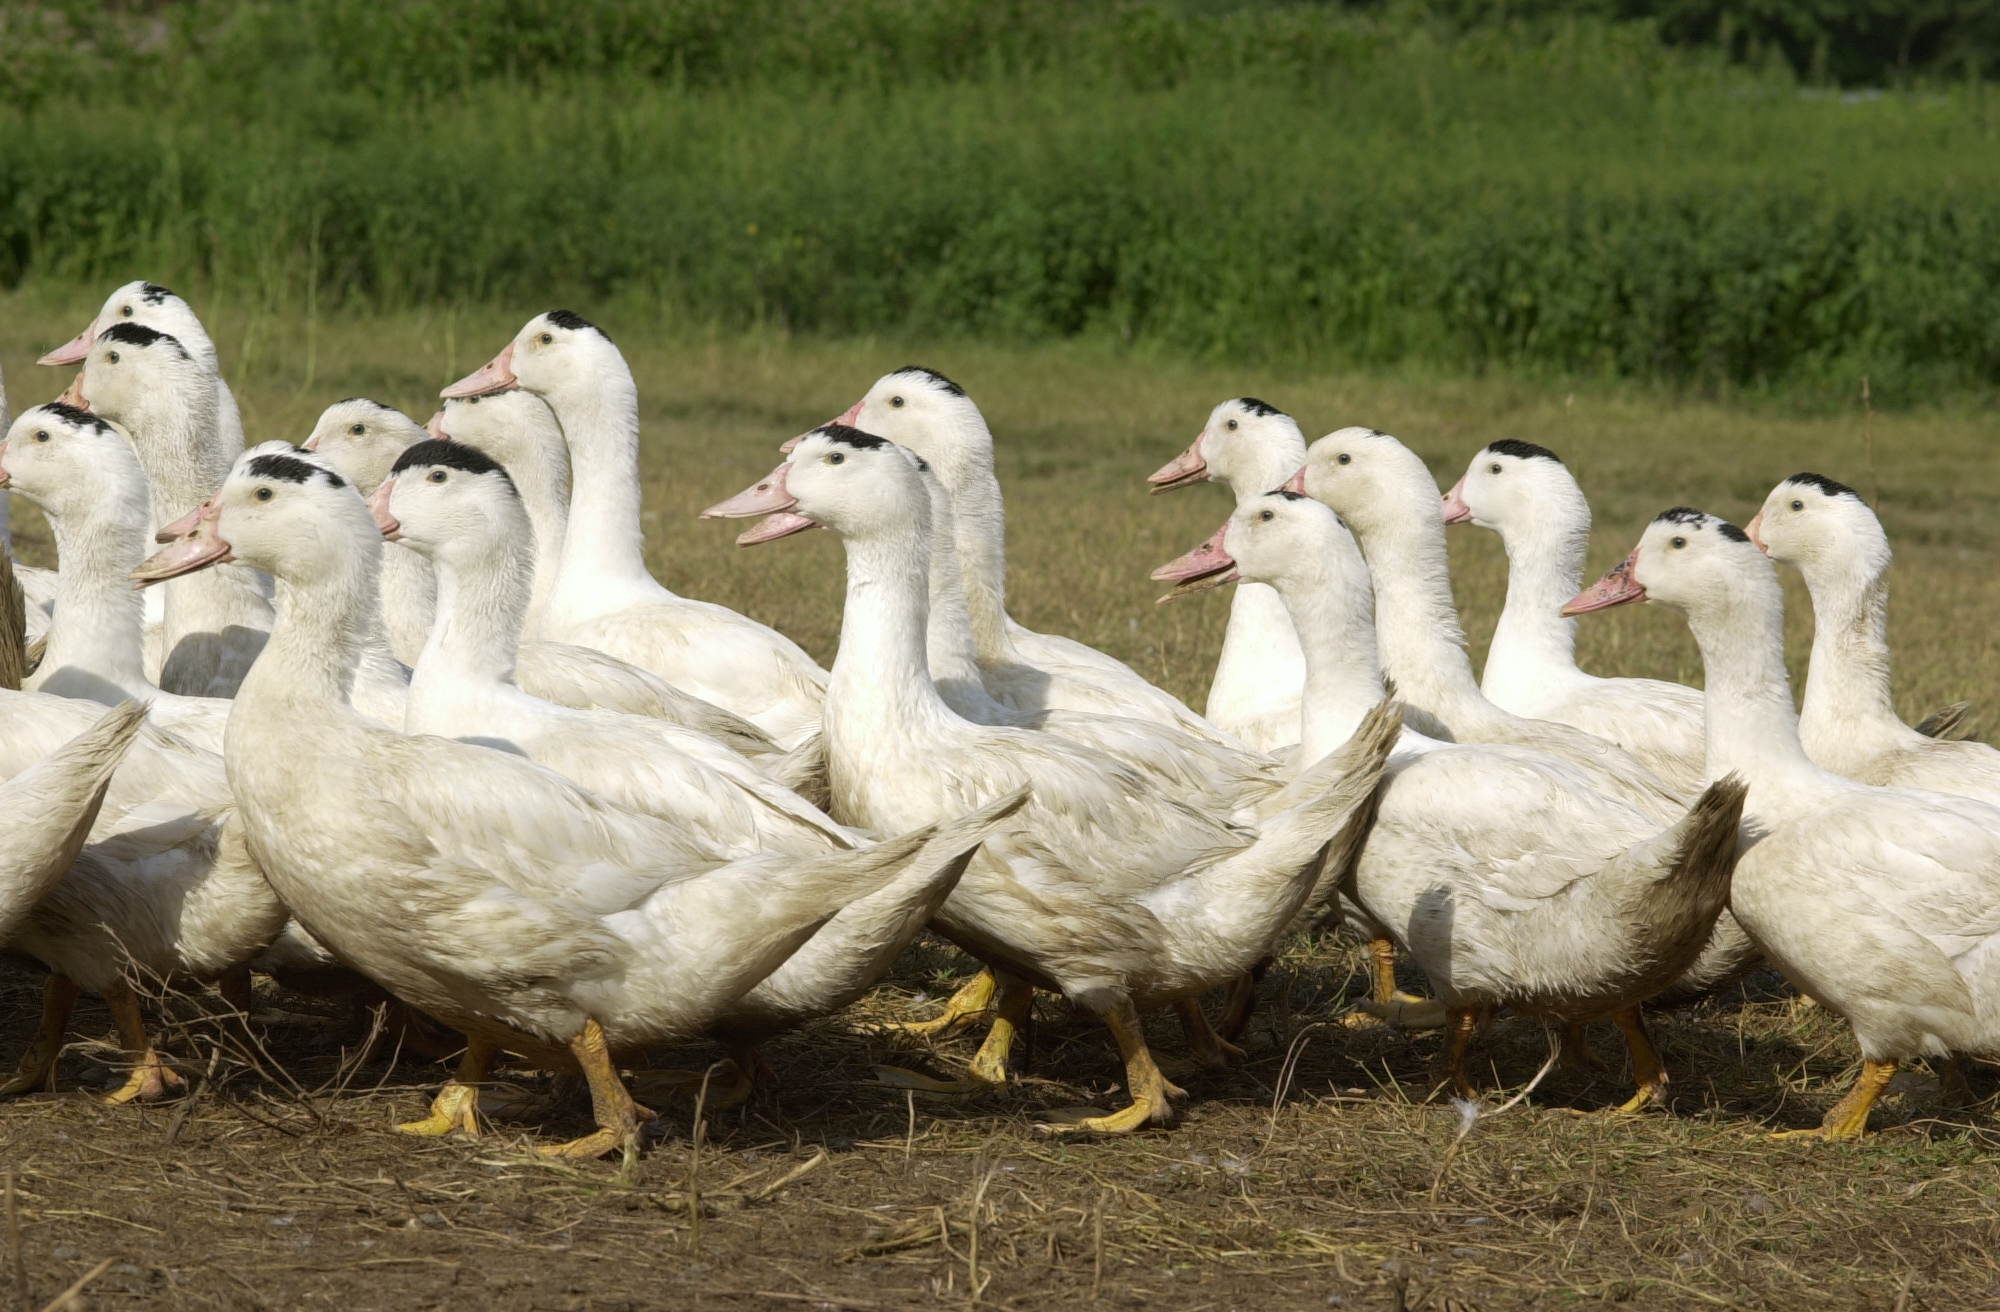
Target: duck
[
  {"x": 482, "y": 889},
  {"x": 164, "y": 890},
  {"x": 166, "y": 399},
  {"x": 1250, "y": 447},
  {"x": 1848, "y": 721},
  {"x": 1509, "y": 874},
  {"x": 1528, "y": 496},
  {"x": 1104, "y": 887},
  {"x": 47, "y": 810},
  {"x": 517, "y": 429},
  {"x": 1878, "y": 903},
  {"x": 86, "y": 479},
  {"x": 924, "y": 411},
  {"x": 604, "y": 597},
  {"x": 361, "y": 439}
]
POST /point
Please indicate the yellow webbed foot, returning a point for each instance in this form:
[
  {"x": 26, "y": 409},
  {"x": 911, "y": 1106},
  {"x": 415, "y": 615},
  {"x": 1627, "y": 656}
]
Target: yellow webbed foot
[
  {"x": 966, "y": 1006},
  {"x": 151, "y": 1079},
  {"x": 1849, "y": 1118},
  {"x": 456, "y": 1107},
  {"x": 1152, "y": 1093}
]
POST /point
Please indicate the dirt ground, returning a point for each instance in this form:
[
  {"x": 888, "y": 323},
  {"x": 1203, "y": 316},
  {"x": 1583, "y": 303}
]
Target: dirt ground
[{"x": 1332, "y": 1185}]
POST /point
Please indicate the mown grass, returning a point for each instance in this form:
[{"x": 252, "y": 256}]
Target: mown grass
[{"x": 258, "y": 1197}]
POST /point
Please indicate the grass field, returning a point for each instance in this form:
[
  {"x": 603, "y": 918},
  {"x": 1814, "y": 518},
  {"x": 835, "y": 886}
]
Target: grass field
[{"x": 1328, "y": 1188}]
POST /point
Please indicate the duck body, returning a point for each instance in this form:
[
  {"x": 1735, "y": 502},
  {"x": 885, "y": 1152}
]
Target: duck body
[
  {"x": 1526, "y": 494},
  {"x": 604, "y": 596},
  {"x": 48, "y": 809},
  {"x": 1250, "y": 447}
]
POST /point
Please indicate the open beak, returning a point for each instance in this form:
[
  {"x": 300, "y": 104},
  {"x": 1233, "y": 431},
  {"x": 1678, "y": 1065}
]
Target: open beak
[
  {"x": 1297, "y": 483},
  {"x": 378, "y": 506},
  {"x": 435, "y": 427},
  {"x": 74, "y": 350},
  {"x": 1455, "y": 509},
  {"x": 1757, "y": 538},
  {"x": 497, "y": 375},
  {"x": 1618, "y": 588},
  {"x": 1184, "y": 470},
  {"x": 769, "y": 498},
  {"x": 73, "y": 394},
  {"x": 850, "y": 419},
  {"x": 1207, "y": 566},
  {"x": 196, "y": 544}
]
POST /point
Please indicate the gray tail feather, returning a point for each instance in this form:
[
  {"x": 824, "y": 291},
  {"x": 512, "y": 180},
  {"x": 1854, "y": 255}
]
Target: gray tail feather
[
  {"x": 803, "y": 770},
  {"x": 1678, "y": 910},
  {"x": 1949, "y": 724}
]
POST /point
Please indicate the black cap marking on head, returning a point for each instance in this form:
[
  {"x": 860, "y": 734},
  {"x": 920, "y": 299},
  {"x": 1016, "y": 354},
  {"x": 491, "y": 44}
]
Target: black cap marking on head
[
  {"x": 291, "y": 469},
  {"x": 1826, "y": 485},
  {"x": 452, "y": 455},
  {"x": 74, "y": 417},
  {"x": 1683, "y": 515},
  {"x": 1260, "y": 409},
  {"x": 152, "y": 293},
  {"x": 1730, "y": 531},
  {"x": 932, "y": 375},
  {"x": 1288, "y": 495},
  {"x": 1512, "y": 446},
  {"x": 575, "y": 322},
  {"x": 138, "y": 334},
  {"x": 853, "y": 437}
]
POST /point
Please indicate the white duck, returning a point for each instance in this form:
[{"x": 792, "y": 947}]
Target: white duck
[
  {"x": 167, "y": 400},
  {"x": 47, "y": 810},
  {"x": 517, "y": 429},
  {"x": 164, "y": 889},
  {"x": 1250, "y": 447},
  {"x": 604, "y": 596},
  {"x": 923, "y": 410},
  {"x": 87, "y": 481},
  {"x": 1848, "y": 721},
  {"x": 361, "y": 439},
  {"x": 1505, "y": 871},
  {"x": 150, "y": 305},
  {"x": 483, "y": 889},
  {"x": 1526, "y": 494},
  {"x": 1883, "y": 904},
  {"x": 1105, "y": 887},
  {"x": 1384, "y": 494}
]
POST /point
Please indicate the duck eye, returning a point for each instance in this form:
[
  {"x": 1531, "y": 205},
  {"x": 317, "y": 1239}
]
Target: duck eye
[
  {"x": 41, "y": 434},
  {"x": 896, "y": 401},
  {"x": 836, "y": 458},
  {"x": 1232, "y": 425},
  {"x": 1798, "y": 505},
  {"x": 358, "y": 429},
  {"x": 1493, "y": 468},
  {"x": 437, "y": 476},
  {"x": 125, "y": 310},
  {"x": 1265, "y": 516},
  {"x": 548, "y": 339},
  {"x": 114, "y": 357},
  {"x": 1346, "y": 459},
  {"x": 1680, "y": 542},
  {"x": 263, "y": 494}
]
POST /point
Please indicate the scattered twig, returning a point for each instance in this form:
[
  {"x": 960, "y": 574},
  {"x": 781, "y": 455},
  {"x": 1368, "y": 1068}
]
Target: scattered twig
[
  {"x": 695, "y": 1136},
  {"x": 1097, "y": 1247},
  {"x": 14, "y": 1247},
  {"x": 972, "y": 1281},
  {"x": 64, "y": 1299}
]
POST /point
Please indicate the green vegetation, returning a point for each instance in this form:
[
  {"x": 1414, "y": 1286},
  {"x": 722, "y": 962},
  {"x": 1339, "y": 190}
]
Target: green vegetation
[{"x": 1366, "y": 187}]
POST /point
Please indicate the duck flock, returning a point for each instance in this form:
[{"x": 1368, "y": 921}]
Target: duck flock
[{"x": 400, "y": 713}]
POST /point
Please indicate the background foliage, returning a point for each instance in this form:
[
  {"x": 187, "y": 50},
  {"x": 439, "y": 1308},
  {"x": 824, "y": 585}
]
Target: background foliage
[{"x": 1587, "y": 187}]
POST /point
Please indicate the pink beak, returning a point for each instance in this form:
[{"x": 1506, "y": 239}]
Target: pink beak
[
  {"x": 73, "y": 394},
  {"x": 1455, "y": 509},
  {"x": 435, "y": 427},
  {"x": 196, "y": 544},
  {"x": 1756, "y": 539},
  {"x": 311, "y": 443},
  {"x": 74, "y": 350},
  {"x": 497, "y": 375},
  {"x": 1184, "y": 470},
  {"x": 1297, "y": 483},
  {"x": 378, "y": 505},
  {"x": 850, "y": 419},
  {"x": 1207, "y": 566},
  {"x": 770, "y": 499},
  {"x": 1616, "y": 588}
]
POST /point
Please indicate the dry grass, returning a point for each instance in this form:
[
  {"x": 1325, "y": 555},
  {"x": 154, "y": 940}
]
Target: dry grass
[{"x": 288, "y": 1192}]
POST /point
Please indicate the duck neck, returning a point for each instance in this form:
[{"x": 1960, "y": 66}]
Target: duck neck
[
  {"x": 1544, "y": 570},
  {"x": 544, "y": 488},
  {"x": 174, "y": 430},
  {"x": 979, "y": 530},
  {"x": 1848, "y": 707},
  {"x": 881, "y": 676},
  {"x": 952, "y": 653},
  {"x": 1752, "y": 727},
  {"x": 1416, "y": 625},
  {"x": 324, "y": 624},
  {"x": 1265, "y": 465},
  {"x": 1343, "y": 666},
  {"x": 96, "y": 632},
  {"x": 603, "y": 550},
  {"x": 475, "y": 635}
]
